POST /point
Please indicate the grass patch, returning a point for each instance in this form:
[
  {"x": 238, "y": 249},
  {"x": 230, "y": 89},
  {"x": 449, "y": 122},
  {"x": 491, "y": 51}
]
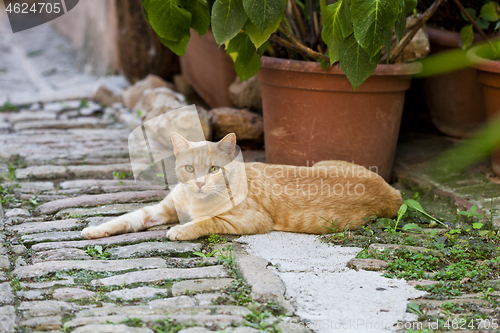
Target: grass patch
[{"x": 8, "y": 107}]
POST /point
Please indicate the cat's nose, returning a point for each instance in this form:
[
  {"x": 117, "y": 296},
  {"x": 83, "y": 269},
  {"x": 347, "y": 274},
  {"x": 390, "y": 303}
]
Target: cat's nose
[{"x": 200, "y": 184}]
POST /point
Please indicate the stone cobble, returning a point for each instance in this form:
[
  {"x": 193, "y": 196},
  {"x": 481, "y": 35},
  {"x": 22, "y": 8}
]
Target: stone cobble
[{"x": 53, "y": 280}]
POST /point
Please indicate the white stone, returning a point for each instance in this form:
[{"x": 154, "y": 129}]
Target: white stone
[
  {"x": 16, "y": 212},
  {"x": 141, "y": 292},
  {"x": 63, "y": 294}
]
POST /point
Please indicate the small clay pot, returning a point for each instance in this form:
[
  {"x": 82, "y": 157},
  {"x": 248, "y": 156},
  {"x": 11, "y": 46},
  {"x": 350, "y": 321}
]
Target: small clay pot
[
  {"x": 208, "y": 69},
  {"x": 312, "y": 114},
  {"x": 454, "y": 99},
  {"x": 488, "y": 74}
]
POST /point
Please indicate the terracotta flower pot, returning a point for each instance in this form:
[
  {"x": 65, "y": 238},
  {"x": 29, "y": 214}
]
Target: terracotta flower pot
[
  {"x": 208, "y": 69},
  {"x": 488, "y": 74},
  {"x": 312, "y": 114},
  {"x": 454, "y": 99}
]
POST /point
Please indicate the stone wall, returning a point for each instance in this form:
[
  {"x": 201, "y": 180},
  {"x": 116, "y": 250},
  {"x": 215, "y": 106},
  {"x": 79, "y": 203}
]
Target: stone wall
[{"x": 92, "y": 28}]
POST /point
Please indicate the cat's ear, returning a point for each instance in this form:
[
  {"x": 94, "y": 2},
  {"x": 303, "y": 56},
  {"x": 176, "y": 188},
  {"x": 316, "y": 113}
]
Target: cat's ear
[
  {"x": 228, "y": 144},
  {"x": 179, "y": 143}
]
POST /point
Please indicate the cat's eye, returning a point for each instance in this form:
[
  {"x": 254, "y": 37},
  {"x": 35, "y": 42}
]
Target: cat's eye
[
  {"x": 189, "y": 168},
  {"x": 214, "y": 169}
]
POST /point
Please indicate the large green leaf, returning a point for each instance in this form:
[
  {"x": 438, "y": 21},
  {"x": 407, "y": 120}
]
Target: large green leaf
[
  {"x": 228, "y": 17},
  {"x": 178, "y": 47},
  {"x": 356, "y": 62},
  {"x": 332, "y": 31},
  {"x": 400, "y": 27},
  {"x": 370, "y": 19},
  {"x": 256, "y": 36},
  {"x": 409, "y": 6},
  {"x": 245, "y": 56},
  {"x": 466, "y": 36},
  {"x": 490, "y": 12},
  {"x": 388, "y": 41},
  {"x": 263, "y": 13},
  {"x": 168, "y": 19},
  {"x": 345, "y": 19},
  {"x": 200, "y": 14}
]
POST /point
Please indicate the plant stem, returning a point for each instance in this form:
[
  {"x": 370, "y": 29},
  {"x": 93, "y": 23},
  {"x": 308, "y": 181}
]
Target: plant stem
[
  {"x": 292, "y": 24},
  {"x": 298, "y": 17},
  {"x": 304, "y": 50},
  {"x": 478, "y": 29},
  {"x": 311, "y": 24},
  {"x": 409, "y": 36}
]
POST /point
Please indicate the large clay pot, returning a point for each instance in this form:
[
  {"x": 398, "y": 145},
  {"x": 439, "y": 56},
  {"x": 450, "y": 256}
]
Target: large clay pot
[
  {"x": 312, "y": 114},
  {"x": 488, "y": 74},
  {"x": 454, "y": 99},
  {"x": 208, "y": 69}
]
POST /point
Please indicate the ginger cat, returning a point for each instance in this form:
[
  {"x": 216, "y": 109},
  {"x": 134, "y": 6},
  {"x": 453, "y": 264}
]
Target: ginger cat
[{"x": 280, "y": 197}]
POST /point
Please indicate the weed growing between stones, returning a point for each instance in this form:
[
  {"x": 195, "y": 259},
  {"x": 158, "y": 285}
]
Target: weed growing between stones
[
  {"x": 65, "y": 321},
  {"x": 98, "y": 252},
  {"x": 133, "y": 322},
  {"x": 168, "y": 325},
  {"x": 462, "y": 260},
  {"x": 15, "y": 284},
  {"x": 8, "y": 107},
  {"x": 7, "y": 195},
  {"x": 261, "y": 320},
  {"x": 81, "y": 276}
]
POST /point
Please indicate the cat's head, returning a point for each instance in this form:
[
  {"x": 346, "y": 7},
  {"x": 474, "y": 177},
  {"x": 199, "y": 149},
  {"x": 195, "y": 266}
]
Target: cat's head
[{"x": 199, "y": 165}]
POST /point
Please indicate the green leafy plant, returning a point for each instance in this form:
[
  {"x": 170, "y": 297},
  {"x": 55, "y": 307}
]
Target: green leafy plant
[
  {"x": 414, "y": 308},
  {"x": 12, "y": 172},
  {"x": 167, "y": 325},
  {"x": 84, "y": 103},
  {"x": 259, "y": 320},
  {"x": 133, "y": 322},
  {"x": 486, "y": 294},
  {"x": 8, "y": 107},
  {"x": 207, "y": 255},
  {"x": 488, "y": 17},
  {"x": 354, "y": 33},
  {"x": 409, "y": 265},
  {"x": 214, "y": 239},
  {"x": 97, "y": 252},
  {"x": 401, "y": 213},
  {"x": 7, "y": 194},
  {"x": 416, "y": 206},
  {"x": 119, "y": 176}
]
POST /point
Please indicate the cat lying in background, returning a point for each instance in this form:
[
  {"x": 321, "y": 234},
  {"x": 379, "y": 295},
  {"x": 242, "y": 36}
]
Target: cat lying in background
[{"x": 280, "y": 197}]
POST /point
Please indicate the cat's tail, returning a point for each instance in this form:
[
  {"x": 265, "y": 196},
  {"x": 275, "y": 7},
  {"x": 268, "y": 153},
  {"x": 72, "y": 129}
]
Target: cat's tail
[
  {"x": 393, "y": 201},
  {"x": 388, "y": 199}
]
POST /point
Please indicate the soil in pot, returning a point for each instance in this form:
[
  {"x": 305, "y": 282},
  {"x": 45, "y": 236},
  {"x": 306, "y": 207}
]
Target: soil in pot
[
  {"x": 454, "y": 99},
  {"x": 312, "y": 114}
]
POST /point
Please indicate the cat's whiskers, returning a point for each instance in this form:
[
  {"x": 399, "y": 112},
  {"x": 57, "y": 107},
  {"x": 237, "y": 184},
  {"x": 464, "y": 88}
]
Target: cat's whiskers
[{"x": 220, "y": 194}]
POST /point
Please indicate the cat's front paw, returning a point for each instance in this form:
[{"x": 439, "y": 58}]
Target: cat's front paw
[
  {"x": 181, "y": 233},
  {"x": 94, "y": 232}
]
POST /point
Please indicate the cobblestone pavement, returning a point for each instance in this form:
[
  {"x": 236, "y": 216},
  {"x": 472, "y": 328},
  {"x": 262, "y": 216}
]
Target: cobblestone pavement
[
  {"x": 62, "y": 160},
  {"x": 65, "y": 166}
]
